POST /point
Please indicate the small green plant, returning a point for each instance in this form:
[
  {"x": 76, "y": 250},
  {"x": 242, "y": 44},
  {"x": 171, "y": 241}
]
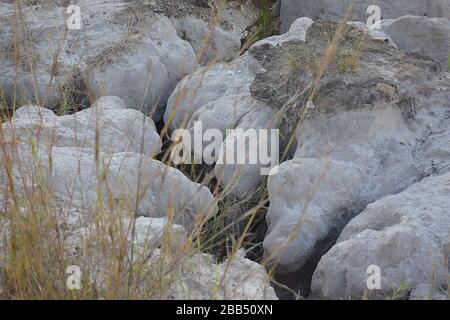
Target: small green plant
[
  {"x": 294, "y": 61},
  {"x": 350, "y": 58},
  {"x": 400, "y": 292},
  {"x": 349, "y": 61},
  {"x": 30, "y": 3},
  {"x": 264, "y": 23}
]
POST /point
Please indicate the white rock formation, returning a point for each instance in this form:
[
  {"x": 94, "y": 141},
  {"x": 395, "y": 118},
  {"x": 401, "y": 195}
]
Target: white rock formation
[
  {"x": 406, "y": 235},
  {"x": 235, "y": 279},
  {"x": 334, "y": 10},
  {"x": 297, "y": 32},
  {"x": 425, "y": 36},
  {"x": 120, "y": 49},
  {"x": 119, "y": 129},
  {"x": 219, "y": 97},
  {"x": 366, "y": 139},
  {"x": 61, "y": 153},
  {"x": 193, "y": 275},
  {"x": 346, "y": 160},
  {"x": 211, "y": 43}
]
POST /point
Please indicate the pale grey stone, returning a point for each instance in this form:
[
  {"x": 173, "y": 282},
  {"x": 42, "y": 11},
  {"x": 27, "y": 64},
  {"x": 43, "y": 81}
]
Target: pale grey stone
[
  {"x": 334, "y": 10},
  {"x": 120, "y": 129},
  {"x": 406, "y": 235},
  {"x": 219, "y": 97},
  {"x": 210, "y": 46},
  {"x": 297, "y": 32},
  {"x": 120, "y": 50},
  {"x": 421, "y": 35},
  {"x": 237, "y": 278}
]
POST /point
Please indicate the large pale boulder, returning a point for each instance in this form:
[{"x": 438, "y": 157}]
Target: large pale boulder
[
  {"x": 77, "y": 179},
  {"x": 137, "y": 50},
  {"x": 149, "y": 232},
  {"x": 424, "y": 36},
  {"x": 334, "y": 10},
  {"x": 373, "y": 131},
  {"x": 237, "y": 278},
  {"x": 211, "y": 43},
  {"x": 61, "y": 154},
  {"x": 143, "y": 70},
  {"x": 406, "y": 235},
  {"x": 220, "y": 98},
  {"x": 208, "y": 84},
  {"x": 296, "y": 32},
  {"x": 346, "y": 161},
  {"x": 119, "y": 129},
  {"x": 192, "y": 275},
  {"x": 82, "y": 235},
  {"x": 421, "y": 35},
  {"x": 121, "y": 48},
  {"x": 308, "y": 199}
]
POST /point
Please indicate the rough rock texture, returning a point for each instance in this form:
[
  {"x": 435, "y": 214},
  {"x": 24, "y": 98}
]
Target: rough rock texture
[
  {"x": 374, "y": 130},
  {"x": 149, "y": 232},
  {"x": 421, "y": 35},
  {"x": 424, "y": 292},
  {"x": 210, "y": 43},
  {"x": 407, "y": 235},
  {"x": 297, "y": 32},
  {"x": 120, "y": 129},
  {"x": 201, "y": 89},
  {"x": 220, "y": 97},
  {"x": 304, "y": 198},
  {"x": 234, "y": 279},
  {"x": 128, "y": 49},
  {"x": 62, "y": 151},
  {"x": 417, "y": 35},
  {"x": 196, "y": 276},
  {"x": 121, "y": 49},
  {"x": 333, "y": 10},
  {"x": 74, "y": 179},
  {"x": 80, "y": 232}
]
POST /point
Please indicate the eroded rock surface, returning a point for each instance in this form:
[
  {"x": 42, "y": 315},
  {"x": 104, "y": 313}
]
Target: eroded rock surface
[
  {"x": 406, "y": 235},
  {"x": 156, "y": 241},
  {"x": 237, "y": 278},
  {"x": 220, "y": 98},
  {"x": 334, "y": 10},
  {"x": 61, "y": 154},
  {"x": 119, "y": 129},
  {"x": 417, "y": 35},
  {"x": 130, "y": 49},
  {"x": 370, "y": 134}
]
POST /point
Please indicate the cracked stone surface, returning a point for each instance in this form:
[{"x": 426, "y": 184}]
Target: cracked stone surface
[
  {"x": 374, "y": 132},
  {"x": 220, "y": 97},
  {"x": 129, "y": 49},
  {"x": 120, "y": 129},
  {"x": 407, "y": 235},
  {"x": 62, "y": 151}
]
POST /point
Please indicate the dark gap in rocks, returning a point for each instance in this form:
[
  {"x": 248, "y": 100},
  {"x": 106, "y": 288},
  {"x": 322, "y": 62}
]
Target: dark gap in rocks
[
  {"x": 68, "y": 97},
  {"x": 300, "y": 280},
  {"x": 74, "y": 95},
  {"x": 160, "y": 125},
  {"x": 227, "y": 226},
  {"x": 5, "y": 112}
]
